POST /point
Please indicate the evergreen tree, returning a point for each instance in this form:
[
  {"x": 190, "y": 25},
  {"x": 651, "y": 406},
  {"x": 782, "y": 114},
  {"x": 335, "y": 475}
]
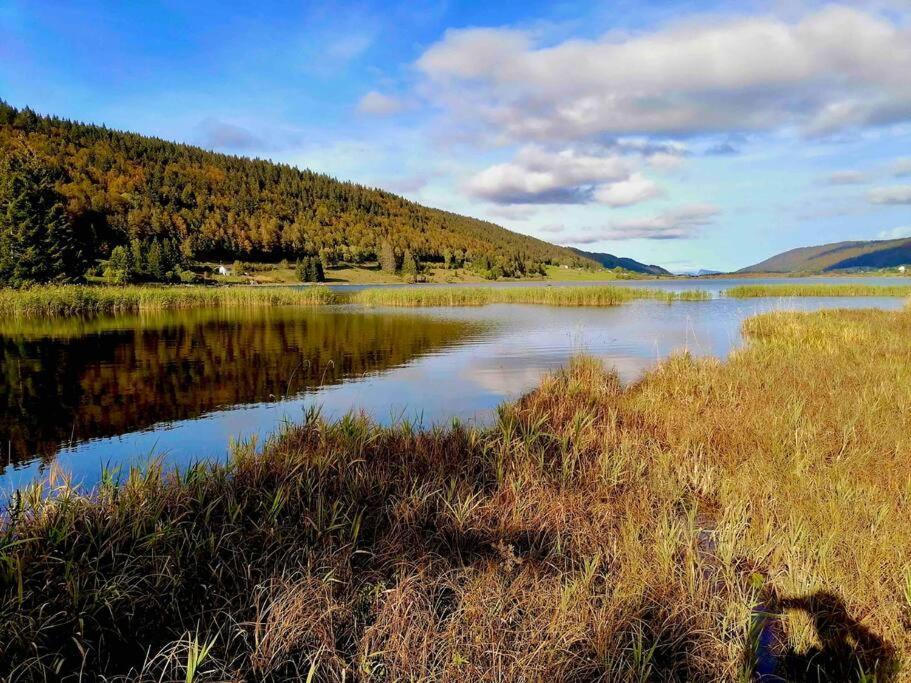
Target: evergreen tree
[
  {"x": 120, "y": 268},
  {"x": 37, "y": 242},
  {"x": 319, "y": 275},
  {"x": 409, "y": 266},
  {"x": 155, "y": 262},
  {"x": 387, "y": 258},
  {"x": 138, "y": 258}
]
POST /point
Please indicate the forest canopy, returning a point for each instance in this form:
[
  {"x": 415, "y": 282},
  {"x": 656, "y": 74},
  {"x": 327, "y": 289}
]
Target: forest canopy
[{"x": 120, "y": 187}]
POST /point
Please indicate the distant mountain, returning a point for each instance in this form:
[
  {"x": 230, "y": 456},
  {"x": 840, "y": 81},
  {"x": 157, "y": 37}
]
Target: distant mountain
[
  {"x": 611, "y": 261},
  {"x": 837, "y": 256}
]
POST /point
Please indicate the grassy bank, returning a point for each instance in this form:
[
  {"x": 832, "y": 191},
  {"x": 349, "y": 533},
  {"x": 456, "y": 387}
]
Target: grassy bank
[
  {"x": 71, "y": 300},
  {"x": 784, "y": 290},
  {"x": 552, "y": 296},
  {"x": 596, "y": 533},
  {"x": 54, "y": 301}
]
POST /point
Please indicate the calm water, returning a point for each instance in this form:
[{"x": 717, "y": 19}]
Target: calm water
[{"x": 182, "y": 385}]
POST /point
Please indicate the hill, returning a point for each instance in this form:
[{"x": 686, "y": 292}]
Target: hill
[
  {"x": 120, "y": 186},
  {"x": 837, "y": 256},
  {"x": 611, "y": 261}
]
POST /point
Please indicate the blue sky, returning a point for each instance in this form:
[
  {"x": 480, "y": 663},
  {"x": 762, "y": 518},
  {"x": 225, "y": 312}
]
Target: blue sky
[{"x": 680, "y": 133}]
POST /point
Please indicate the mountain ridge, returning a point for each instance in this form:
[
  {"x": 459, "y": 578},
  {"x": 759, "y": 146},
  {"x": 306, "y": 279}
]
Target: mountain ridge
[
  {"x": 835, "y": 256},
  {"x": 611, "y": 261}
]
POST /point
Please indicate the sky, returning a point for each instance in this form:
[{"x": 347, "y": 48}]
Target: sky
[{"x": 687, "y": 134}]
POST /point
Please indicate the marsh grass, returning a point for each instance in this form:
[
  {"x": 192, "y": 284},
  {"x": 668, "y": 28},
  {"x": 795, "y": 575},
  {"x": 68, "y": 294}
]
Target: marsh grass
[
  {"x": 550, "y": 296},
  {"x": 596, "y": 532},
  {"x": 76, "y": 300},
  {"x": 786, "y": 290}
]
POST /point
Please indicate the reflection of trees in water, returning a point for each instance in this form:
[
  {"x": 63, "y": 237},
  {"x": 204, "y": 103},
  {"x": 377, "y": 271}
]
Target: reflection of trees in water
[{"x": 177, "y": 366}]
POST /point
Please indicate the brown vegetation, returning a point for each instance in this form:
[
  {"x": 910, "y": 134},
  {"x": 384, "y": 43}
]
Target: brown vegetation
[{"x": 670, "y": 530}]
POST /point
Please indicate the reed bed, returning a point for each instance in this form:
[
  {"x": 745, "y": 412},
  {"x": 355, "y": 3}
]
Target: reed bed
[
  {"x": 714, "y": 520},
  {"x": 549, "y": 296},
  {"x": 77, "y": 300},
  {"x": 787, "y": 290}
]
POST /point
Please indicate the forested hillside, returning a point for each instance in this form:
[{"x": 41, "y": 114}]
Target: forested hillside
[
  {"x": 120, "y": 187},
  {"x": 837, "y": 256},
  {"x": 611, "y": 261}
]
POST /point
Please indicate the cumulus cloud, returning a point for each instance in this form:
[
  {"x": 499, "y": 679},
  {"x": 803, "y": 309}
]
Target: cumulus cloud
[
  {"x": 635, "y": 189},
  {"x": 540, "y": 176},
  {"x": 894, "y": 194},
  {"x": 846, "y": 178},
  {"x": 378, "y": 104},
  {"x": 217, "y": 134},
  {"x": 836, "y": 67}
]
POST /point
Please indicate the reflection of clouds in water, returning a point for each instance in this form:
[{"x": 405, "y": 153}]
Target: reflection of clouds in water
[{"x": 467, "y": 379}]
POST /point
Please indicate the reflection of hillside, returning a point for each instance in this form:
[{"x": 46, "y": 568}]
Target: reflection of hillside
[{"x": 129, "y": 374}]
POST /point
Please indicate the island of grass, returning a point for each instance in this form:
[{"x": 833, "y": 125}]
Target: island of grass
[
  {"x": 85, "y": 300},
  {"x": 818, "y": 290},
  {"x": 712, "y": 520}
]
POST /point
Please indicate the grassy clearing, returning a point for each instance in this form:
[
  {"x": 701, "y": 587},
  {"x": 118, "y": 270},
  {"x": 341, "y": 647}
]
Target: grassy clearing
[
  {"x": 552, "y": 296},
  {"x": 784, "y": 290},
  {"x": 596, "y": 533},
  {"x": 61, "y": 301}
]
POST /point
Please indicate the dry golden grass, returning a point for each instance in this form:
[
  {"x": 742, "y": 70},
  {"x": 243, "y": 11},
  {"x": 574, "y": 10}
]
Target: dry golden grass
[{"x": 596, "y": 533}]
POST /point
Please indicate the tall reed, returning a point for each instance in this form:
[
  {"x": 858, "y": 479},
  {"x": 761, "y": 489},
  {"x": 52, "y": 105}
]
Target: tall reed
[
  {"x": 551, "y": 296},
  {"x": 822, "y": 290},
  {"x": 669, "y": 530},
  {"x": 70, "y": 300}
]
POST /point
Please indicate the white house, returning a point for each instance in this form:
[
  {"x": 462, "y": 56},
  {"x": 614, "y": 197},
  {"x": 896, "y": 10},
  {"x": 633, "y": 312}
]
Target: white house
[
  {"x": 224, "y": 270},
  {"x": 902, "y": 269}
]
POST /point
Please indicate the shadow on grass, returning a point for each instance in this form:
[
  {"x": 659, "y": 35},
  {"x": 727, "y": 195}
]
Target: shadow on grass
[{"x": 847, "y": 651}]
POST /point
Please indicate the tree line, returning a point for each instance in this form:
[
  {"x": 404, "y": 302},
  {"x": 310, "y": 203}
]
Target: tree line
[{"x": 113, "y": 187}]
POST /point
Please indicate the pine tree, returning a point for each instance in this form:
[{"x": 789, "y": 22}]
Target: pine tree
[
  {"x": 37, "y": 242},
  {"x": 409, "y": 266},
  {"x": 319, "y": 275},
  {"x": 155, "y": 262},
  {"x": 120, "y": 268},
  {"x": 138, "y": 258},
  {"x": 387, "y": 257}
]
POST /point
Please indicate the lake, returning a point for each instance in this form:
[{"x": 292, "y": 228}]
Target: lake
[{"x": 182, "y": 385}]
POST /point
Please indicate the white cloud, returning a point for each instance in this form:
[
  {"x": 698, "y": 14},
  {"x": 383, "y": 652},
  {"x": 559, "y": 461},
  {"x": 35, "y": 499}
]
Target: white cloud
[
  {"x": 847, "y": 178},
  {"x": 895, "y": 233},
  {"x": 635, "y": 189},
  {"x": 512, "y": 212},
  {"x": 540, "y": 176},
  {"x": 378, "y": 104},
  {"x": 665, "y": 161},
  {"x": 834, "y": 68},
  {"x": 894, "y": 194},
  {"x": 679, "y": 223},
  {"x": 902, "y": 167}
]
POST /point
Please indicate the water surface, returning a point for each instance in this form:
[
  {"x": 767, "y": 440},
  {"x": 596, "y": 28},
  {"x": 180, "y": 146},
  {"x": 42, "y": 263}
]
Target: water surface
[{"x": 181, "y": 385}]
